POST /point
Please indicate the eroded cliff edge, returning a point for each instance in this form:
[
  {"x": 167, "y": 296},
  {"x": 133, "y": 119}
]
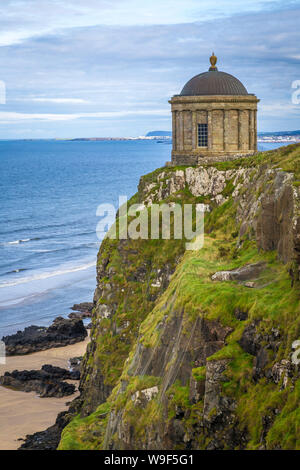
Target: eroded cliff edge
[{"x": 192, "y": 350}]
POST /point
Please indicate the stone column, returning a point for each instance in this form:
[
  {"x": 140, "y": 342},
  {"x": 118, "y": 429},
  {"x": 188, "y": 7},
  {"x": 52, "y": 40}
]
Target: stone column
[
  {"x": 226, "y": 129},
  {"x": 194, "y": 130},
  {"x": 209, "y": 130},
  {"x": 179, "y": 142},
  {"x": 255, "y": 130},
  {"x": 174, "y": 143},
  {"x": 251, "y": 129},
  {"x": 240, "y": 131},
  {"x": 181, "y": 127},
  {"x": 223, "y": 141}
]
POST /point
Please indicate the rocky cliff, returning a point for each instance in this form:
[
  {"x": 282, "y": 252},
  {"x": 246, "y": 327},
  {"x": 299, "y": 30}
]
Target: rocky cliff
[{"x": 193, "y": 349}]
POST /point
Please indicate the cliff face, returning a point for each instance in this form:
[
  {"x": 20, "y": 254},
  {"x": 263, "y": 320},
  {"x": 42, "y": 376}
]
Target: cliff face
[{"x": 192, "y": 350}]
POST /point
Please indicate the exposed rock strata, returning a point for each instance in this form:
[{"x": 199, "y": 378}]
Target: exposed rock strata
[
  {"x": 153, "y": 274},
  {"x": 172, "y": 361}
]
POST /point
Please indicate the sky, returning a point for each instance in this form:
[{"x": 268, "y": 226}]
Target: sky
[{"x": 97, "y": 68}]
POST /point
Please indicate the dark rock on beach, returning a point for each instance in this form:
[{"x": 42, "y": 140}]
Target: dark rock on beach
[
  {"x": 62, "y": 332},
  {"x": 79, "y": 315},
  {"x": 82, "y": 310},
  {"x": 47, "y": 382},
  {"x": 40, "y": 381},
  {"x": 60, "y": 373},
  {"x": 83, "y": 307}
]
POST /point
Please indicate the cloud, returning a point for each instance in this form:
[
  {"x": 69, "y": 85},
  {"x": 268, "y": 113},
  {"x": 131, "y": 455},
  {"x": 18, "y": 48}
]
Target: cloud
[
  {"x": 15, "y": 117},
  {"x": 22, "y": 20},
  {"x": 128, "y": 72},
  {"x": 282, "y": 110},
  {"x": 58, "y": 100}
]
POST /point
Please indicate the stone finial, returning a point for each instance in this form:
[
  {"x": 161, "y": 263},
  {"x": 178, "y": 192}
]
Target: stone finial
[{"x": 213, "y": 60}]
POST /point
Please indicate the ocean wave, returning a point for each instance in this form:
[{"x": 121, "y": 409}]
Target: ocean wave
[
  {"x": 46, "y": 275},
  {"x": 70, "y": 248},
  {"x": 22, "y": 240},
  {"x": 47, "y": 237},
  {"x": 65, "y": 248},
  {"x": 13, "y": 271},
  {"x": 38, "y": 254},
  {"x": 40, "y": 227},
  {"x": 45, "y": 250}
]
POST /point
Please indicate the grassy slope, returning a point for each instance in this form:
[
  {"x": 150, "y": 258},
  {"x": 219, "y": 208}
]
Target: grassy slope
[{"x": 275, "y": 303}]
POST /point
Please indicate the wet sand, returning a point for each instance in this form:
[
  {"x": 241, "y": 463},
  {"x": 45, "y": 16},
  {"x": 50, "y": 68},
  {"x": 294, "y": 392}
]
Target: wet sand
[{"x": 24, "y": 413}]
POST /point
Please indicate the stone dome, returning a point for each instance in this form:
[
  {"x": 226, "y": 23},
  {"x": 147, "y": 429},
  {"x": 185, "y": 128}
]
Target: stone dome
[{"x": 213, "y": 82}]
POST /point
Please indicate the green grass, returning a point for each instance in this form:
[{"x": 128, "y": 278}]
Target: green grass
[
  {"x": 199, "y": 373},
  {"x": 86, "y": 433}
]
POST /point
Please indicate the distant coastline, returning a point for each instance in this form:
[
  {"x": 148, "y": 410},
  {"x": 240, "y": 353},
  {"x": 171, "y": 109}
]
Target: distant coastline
[
  {"x": 286, "y": 137},
  {"x": 289, "y": 137}
]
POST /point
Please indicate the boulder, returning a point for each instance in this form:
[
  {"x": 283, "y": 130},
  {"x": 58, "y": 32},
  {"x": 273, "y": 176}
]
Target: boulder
[{"x": 244, "y": 273}]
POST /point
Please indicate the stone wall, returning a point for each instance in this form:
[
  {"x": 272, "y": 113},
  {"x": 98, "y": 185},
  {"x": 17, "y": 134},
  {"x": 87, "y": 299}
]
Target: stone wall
[
  {"x": 231, "y": 124},
  {"x": 194, "y": 159}
]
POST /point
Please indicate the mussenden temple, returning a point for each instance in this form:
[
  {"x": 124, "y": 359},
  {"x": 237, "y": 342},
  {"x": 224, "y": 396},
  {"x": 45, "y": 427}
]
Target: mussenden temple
[{"x": 213, "y": 118}]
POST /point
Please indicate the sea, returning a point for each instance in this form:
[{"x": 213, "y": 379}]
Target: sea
[{"x": 49, "y": 194}]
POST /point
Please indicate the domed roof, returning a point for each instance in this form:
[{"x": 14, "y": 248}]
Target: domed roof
[{"x": 213, "y": 82}]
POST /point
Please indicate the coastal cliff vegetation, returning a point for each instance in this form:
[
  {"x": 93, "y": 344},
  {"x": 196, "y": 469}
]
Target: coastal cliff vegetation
[{"x": 193, "y": 349}]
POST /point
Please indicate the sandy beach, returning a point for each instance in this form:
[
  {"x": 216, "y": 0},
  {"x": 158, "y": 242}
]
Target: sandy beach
[{"x": 25, "y": 413}]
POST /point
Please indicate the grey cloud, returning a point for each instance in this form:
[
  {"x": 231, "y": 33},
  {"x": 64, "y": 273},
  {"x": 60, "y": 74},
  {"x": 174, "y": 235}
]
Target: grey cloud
[{"x": 119, "y": 68}]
